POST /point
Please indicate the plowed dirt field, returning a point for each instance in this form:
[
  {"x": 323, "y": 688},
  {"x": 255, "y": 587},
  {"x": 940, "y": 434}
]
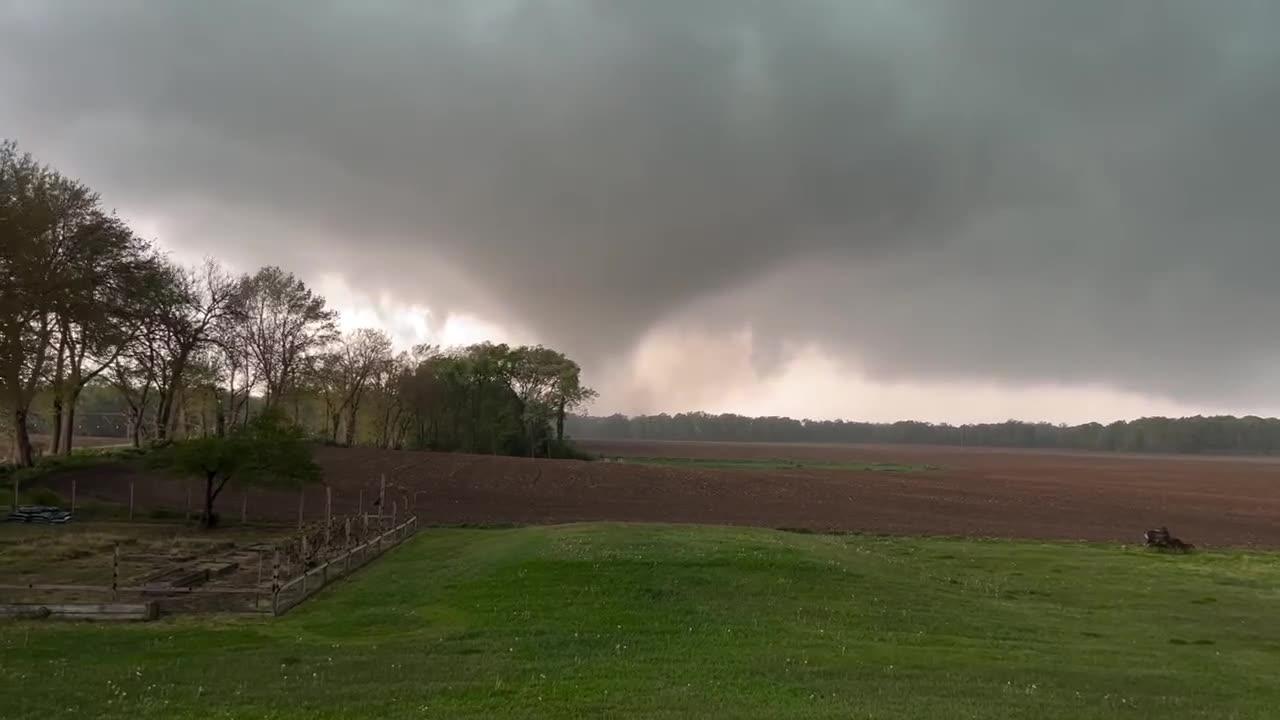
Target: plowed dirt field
[{"x": 964, "y": 491}]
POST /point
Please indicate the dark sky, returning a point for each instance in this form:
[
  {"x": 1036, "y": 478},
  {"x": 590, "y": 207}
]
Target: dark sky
[{"x": 943, "y": 194}]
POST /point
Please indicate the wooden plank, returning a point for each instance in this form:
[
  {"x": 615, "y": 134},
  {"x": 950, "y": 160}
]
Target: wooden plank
[
  {"x": 193, "y": 590},
  {"x": 46, "y": 586},
  {"x": 158, "y": 589},
  {"x": 82, "y": 611}
]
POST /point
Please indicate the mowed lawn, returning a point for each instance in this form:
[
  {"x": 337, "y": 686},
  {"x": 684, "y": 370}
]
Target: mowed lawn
[{"x": 648, "y": 621}]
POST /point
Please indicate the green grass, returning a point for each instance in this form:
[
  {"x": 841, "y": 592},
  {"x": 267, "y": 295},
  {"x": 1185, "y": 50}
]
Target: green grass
[
  {"x": 649, "y": 621},
  {"x": 769, "y": 464}
]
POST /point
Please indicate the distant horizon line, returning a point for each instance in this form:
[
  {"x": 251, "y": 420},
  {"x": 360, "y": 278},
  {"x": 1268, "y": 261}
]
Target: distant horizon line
[{"x": 933, "y": 423}]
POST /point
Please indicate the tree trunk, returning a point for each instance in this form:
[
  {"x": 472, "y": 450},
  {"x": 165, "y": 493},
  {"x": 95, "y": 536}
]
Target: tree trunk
[
  {"x": 135, "y": 427},
  {"x": 560, "y": 423},
  {"x": 21, "y": 438},
  {"x": 351, "y": 425},
  {"x": 211, "y": 491},
  {"x": 164, "y": 410},
  {"x": 180, "y": 415},
  {"x": 55, "y": 444},
  {"x": 58, "y": 369},
  {"x": 206, "y": 517},
  {"x": 69, "y": 417},
  {"x": 219, "y": 414}
]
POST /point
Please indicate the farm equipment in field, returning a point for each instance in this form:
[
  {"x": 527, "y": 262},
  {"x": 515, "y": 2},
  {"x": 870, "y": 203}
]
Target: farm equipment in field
[{"x": 1161, "y": 539}]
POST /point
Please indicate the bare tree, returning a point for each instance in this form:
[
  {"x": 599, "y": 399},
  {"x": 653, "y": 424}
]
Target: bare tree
[
  {"x": 131, "y": 375},
  {"x": 208, "y": 298},
  {"x": 387, "y": 397},
  {"x": 284, "y": 323},
  {"x": 346, "y": 372}
]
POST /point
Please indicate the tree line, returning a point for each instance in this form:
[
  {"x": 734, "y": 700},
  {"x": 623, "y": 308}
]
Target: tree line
[
  {"x": 90, "y": 310},
  {"x": 1211, "y": 435}
]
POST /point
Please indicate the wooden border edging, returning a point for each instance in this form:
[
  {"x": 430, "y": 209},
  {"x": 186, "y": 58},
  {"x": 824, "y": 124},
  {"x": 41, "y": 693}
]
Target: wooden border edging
[{"x": 81, "y": 611}]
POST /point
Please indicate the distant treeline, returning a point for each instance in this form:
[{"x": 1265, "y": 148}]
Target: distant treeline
[{"x": 1211, "y": 435}]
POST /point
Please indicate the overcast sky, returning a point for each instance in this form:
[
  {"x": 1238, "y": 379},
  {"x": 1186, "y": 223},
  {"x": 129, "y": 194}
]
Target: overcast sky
[{"x": 943, "y": 210}]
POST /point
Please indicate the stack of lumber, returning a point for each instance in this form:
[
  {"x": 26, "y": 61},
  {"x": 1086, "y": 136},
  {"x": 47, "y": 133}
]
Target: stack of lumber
[{"x": 41, "y": 514}]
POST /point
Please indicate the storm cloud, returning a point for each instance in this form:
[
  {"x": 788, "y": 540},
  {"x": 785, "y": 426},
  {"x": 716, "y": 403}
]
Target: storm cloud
[{"x": 1080, "y": 192}]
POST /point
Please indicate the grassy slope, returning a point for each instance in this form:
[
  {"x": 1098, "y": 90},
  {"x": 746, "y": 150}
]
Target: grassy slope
[{"x": 658, "y": 621}]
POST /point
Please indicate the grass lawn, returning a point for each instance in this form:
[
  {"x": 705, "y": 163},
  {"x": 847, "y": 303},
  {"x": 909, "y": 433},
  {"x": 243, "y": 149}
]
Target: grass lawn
[
  {"x": 651, "y": 621},
  {"x": 770, "y": 464}
]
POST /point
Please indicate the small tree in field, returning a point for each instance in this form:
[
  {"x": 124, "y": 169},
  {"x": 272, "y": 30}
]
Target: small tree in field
[{"x": 270, "y": 450}]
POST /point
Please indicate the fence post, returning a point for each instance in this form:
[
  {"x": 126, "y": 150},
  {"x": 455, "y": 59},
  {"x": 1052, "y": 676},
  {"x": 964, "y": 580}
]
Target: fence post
[
  {"x": 302, "y": 497},
  {"x": 275, "y": 584},
  {"x": 393, "y": 513},
  {"x": 130, "y": 501},
  {"x": 364, "y": 535},
  {"x": 115, "y": 572},
  {"x": 382, "y": 499},
  {"x": 328, "y": 515},
  {"x": 347, "y": 527},
  {"x": 244, "y": 507},
  {"x": 361, "y": 506}
]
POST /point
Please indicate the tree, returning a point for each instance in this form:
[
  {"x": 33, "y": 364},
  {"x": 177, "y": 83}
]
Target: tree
[
  {"x": 535, "y": 375},
  {"x": 569, "y": 394},
  {"x": 284, "y": 323},
  {"x": 346, "y": 372},
  {"x": 270, "y": 450},
  {"x": 204, "y": 298},
  {"x": 131, "y": 375},
  {"x": 388, "y": 401},
  {"x": 110, "y": 288},
  {"x": 42, "y": 216},
  {"x": 232, "y": 361}
]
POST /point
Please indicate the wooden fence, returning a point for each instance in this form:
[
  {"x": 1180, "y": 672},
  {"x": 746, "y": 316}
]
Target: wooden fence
[
  {"x": 282, "y": 595},
  {"x": 286, "y": 595}
]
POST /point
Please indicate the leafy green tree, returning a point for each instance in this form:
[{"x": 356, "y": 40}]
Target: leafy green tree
[
  {"x": 269, "y": 450},
  {"x": 63, "y": 266}
]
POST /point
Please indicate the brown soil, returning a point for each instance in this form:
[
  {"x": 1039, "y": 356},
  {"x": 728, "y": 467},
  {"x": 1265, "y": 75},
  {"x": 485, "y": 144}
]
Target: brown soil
[{"x": 973, "y": 492}]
